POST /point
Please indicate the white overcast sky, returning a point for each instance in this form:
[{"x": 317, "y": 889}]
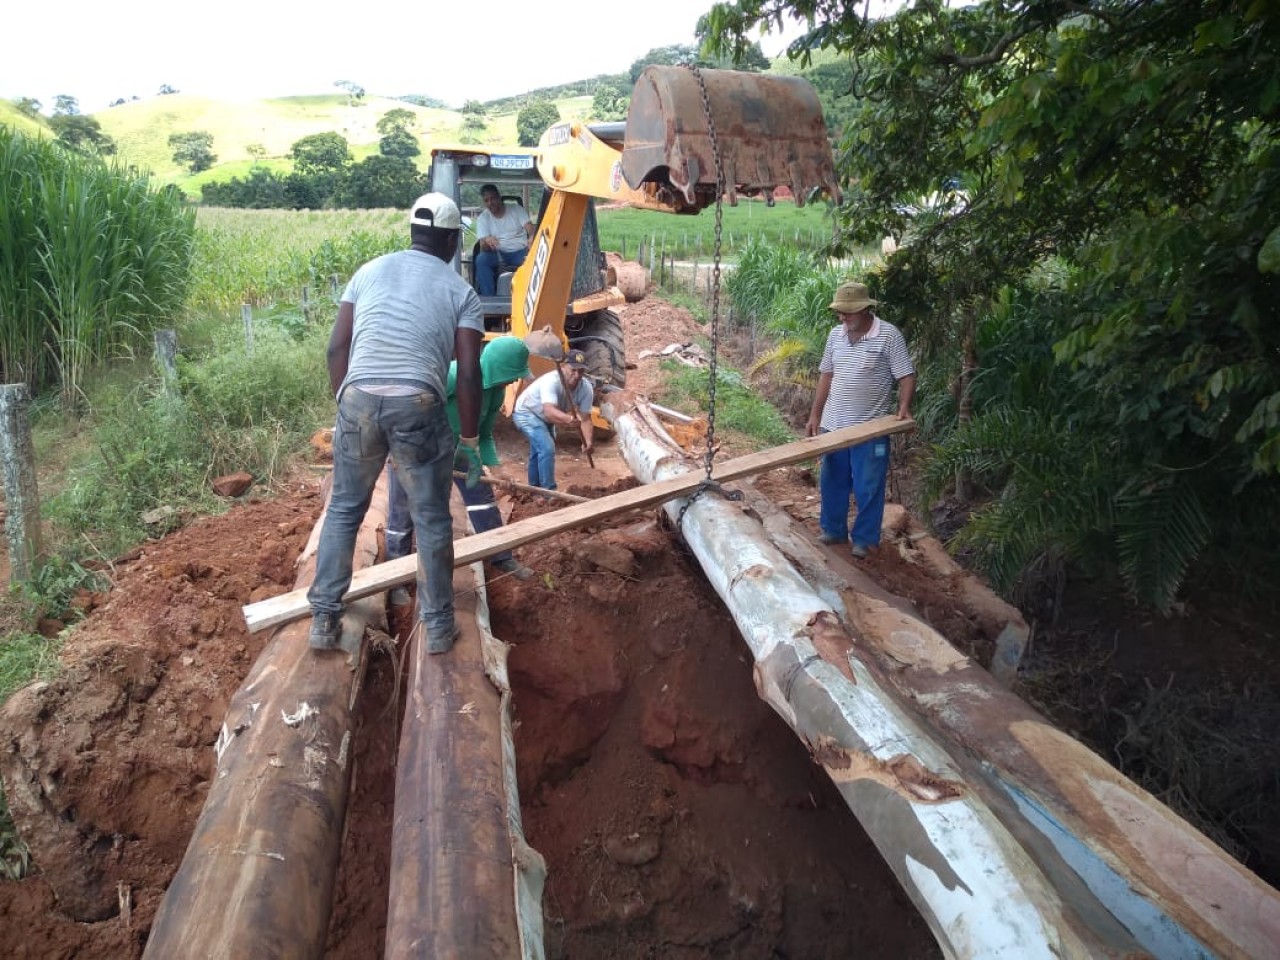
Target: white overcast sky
[{"x": 98, "y": 51}]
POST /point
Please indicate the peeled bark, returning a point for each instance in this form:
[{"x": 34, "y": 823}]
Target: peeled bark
[
  {"x": 1011, "y": 838},
  {"x": 257, "y": 879}
]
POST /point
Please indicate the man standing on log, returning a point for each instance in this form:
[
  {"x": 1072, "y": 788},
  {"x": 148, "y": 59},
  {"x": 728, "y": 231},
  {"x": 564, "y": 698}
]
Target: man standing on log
[
  {"x": 402, "y": 318},
  {"x": 863, "y": 358}
]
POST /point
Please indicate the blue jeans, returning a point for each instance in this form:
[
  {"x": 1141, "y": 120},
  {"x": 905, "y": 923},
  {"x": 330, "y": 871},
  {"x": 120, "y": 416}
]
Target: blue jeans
[
  {"x": 860, "y": 470},
  {"x": 542, "y": 448},
  {"x": 489, "y": 263},
  {"x": 482, "y": 512},
  {"x": 415, "y": 431}
]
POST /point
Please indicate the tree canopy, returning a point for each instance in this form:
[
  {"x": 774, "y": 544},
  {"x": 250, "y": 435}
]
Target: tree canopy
[
  {"x": 193, "y": 149},
  {"x": 533, "y": 120},
  {"x": 1123, "y": 156}
]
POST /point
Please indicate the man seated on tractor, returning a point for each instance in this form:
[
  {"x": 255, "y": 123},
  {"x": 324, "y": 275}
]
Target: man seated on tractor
[{"x": 503, "y": 233}]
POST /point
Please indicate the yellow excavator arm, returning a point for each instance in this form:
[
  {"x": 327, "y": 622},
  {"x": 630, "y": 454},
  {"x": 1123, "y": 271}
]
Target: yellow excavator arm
[{"x": 767, "y": 132}]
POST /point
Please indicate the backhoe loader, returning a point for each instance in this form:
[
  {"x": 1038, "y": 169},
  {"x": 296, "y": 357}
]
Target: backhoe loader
[{"x": 767, "y": 131}]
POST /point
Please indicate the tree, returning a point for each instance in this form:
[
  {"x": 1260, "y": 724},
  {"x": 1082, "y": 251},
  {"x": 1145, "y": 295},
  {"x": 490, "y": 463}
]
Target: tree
[
  {"x": 27, "y": 106},
  {"x": 118, "y": 101},
  {"x": 321, "y": 152},
  {"x": 665, "y": 56},
  {"x": 167, "y": 90},
  {"x": 256, "y": 151},
  {"x": 473, "y": 107},
  {"x": 65, "y": 105},
  {"x": 193, "y": 149},
  {"x": 533, "y": 120},
  {"x": 396, "y": 119},
  {"x": 355, "y": 92},
  {"x": 610, "y": 102},
  {"x": 81, "y": 133},
  {"x": 399, "y": 143},
  {"x": 1128, "y": 156},
  {"x": 380, "y": 181}
]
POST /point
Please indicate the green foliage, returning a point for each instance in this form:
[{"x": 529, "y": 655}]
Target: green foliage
[
  {"x": 152, "y": 448},
  {"x": 1137, "y": 146},
  {"x": 380, "y": 181},
  {"x": 25, "y": 657},
  {"x": 739, "y": 409},
  {"x": 94, "y": 259},
  {"x": 533, "y": 121},
  {"x": 610, "y": 101},
  {"x": 28, "y": 106},
  {"x": 81, "y": 133},
  {"x": 193, "y": 149},
  {"x": 321, "y": 153},
  {"x": 400, "y": 144},
  {"x": 397, "y": 119},
  {"x": 15, "y": 858}
]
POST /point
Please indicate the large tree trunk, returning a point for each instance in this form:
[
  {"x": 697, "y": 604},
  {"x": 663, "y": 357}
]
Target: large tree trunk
[
  {"x": 1010, "y": 837},
  {"x": 463, "y": 881},
  {"x": 257, "y": 879}
]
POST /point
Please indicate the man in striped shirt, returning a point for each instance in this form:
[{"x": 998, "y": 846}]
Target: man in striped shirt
[{"x": 863, "y": 359}]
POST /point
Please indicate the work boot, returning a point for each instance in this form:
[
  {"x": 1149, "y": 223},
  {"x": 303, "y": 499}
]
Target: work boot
[
  {"x": 858, "y": 550},
  {"x": 514, "y": 567},
  {"x": 326, "y": 631},
  {"x": 399, "y": 597},
  {"x": 830, "y": 538},
  {"x": 441, "y": 642}
]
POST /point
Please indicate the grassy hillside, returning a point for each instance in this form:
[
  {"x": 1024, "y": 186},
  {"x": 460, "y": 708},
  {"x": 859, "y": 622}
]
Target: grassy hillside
[
  {"x": 142, "y": 128},
  {"x": 10, "y": 116}
]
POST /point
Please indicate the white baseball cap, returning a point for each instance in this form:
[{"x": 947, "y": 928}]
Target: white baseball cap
[{"x": 435, "y": 210}]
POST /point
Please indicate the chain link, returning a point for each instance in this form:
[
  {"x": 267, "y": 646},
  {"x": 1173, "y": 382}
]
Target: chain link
[{"x": 709, "y": 455}]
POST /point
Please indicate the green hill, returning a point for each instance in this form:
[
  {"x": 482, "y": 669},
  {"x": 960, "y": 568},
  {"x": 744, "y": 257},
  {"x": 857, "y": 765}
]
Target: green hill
[
  {"x": 141, "y": 129},
  {"x": 11, "y": 116}
]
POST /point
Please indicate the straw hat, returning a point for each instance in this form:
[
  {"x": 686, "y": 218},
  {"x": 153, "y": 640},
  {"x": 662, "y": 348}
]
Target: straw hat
[{"x": 852, "y": 298}]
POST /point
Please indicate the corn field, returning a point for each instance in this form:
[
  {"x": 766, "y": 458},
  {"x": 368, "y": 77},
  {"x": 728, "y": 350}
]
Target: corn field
[{"x": 94, "y": 257}]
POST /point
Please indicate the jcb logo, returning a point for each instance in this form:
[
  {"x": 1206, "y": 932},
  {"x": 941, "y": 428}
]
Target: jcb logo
[
  {"x": 558, "y": 134},
  {"x": 540, "y": 258}
]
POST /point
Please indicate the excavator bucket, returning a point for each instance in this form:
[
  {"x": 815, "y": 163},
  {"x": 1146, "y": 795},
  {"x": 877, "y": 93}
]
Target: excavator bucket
[{"x": 769, "y": 131}]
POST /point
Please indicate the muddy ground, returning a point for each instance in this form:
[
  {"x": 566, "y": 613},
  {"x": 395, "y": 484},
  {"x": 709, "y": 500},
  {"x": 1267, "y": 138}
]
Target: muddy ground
[{"x": 679, "y": 817}]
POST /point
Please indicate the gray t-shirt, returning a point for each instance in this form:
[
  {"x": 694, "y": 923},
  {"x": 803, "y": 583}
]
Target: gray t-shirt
[
  {"x": 509, "y": 228},
  {"x": 408, "y": 307}
]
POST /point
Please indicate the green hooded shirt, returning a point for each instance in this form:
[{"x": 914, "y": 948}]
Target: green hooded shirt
[{"x": 502, "y": 361}]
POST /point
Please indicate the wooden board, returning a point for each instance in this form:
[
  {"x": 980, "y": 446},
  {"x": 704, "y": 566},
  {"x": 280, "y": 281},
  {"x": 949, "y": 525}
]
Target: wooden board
[{"x": 376, "y": 579}]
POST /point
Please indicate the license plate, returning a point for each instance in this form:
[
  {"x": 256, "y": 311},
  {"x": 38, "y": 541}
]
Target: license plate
[{"x": 511, "y": 163}]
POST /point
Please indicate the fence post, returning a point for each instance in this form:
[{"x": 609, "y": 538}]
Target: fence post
[
  {"x": 306, "y": 304},
  {"x": 21, "y": 498},
  {"x": 333, "y": 285},
  {"x": 246, "y": 314},
  {"x": 166, "y": 346},
  {"x": 624, "y": 247}
]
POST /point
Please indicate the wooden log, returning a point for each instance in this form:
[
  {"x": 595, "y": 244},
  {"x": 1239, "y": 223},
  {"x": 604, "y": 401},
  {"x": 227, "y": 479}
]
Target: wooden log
[
  {"x": 376, "y": 579},
  {"x": 257, "y": 878},
  {"x": 166, "y": 353},
  {"x": 21, "y": 495},
  {"x": 456, "y": 841},
  {"x": 1104, "y": 864}
]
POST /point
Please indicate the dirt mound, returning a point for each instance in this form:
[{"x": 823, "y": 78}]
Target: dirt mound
[{"x": 119, "y": 746}]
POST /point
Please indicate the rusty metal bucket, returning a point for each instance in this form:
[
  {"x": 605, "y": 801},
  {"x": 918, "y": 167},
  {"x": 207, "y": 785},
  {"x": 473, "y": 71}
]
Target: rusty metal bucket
[{"x": 769, "y": 130}]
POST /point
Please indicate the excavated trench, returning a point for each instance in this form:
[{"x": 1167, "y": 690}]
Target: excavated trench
[{"x": 679, "y": 817}]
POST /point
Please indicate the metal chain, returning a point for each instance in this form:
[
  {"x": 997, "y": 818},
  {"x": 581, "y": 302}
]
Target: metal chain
[{"x": 709, "y": 455}]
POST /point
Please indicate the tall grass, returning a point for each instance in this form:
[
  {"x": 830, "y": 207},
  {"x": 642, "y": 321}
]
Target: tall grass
[
  {"x": 265, "y": 256},
  {"x": 624, "y": 230},
  {"x": 93, "y": 258}
]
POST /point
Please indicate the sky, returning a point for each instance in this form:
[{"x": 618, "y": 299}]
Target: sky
[{"x": 250, "y": 49}]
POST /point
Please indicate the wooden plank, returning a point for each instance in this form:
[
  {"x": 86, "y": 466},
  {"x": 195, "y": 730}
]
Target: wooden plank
[{"x": 384, "y": 576}]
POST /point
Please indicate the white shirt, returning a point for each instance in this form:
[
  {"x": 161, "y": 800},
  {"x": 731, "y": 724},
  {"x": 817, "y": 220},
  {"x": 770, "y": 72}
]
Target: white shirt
[
  {"x": 863, "y": 373},
  {"x": 508, "y": 229},
  {"x": 548, "y": 389}
]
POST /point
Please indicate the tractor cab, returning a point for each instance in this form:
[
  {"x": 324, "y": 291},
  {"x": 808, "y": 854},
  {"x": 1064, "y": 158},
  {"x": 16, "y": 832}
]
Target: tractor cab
[{"x": 460, "y": 172}]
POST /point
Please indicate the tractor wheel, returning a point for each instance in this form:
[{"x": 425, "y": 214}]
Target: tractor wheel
[{"x": 600, "y": 338}]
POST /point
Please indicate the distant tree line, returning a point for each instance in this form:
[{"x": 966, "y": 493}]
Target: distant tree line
[{"x": 325, "y": 175}]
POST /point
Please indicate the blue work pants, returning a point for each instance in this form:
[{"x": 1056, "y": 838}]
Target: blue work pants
[
  {"x": 490, "y": 263},
  {"x": 415, "y": 432},
  {"x": 542, "y": 448},
  {"x": 859, "y": 470}
]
